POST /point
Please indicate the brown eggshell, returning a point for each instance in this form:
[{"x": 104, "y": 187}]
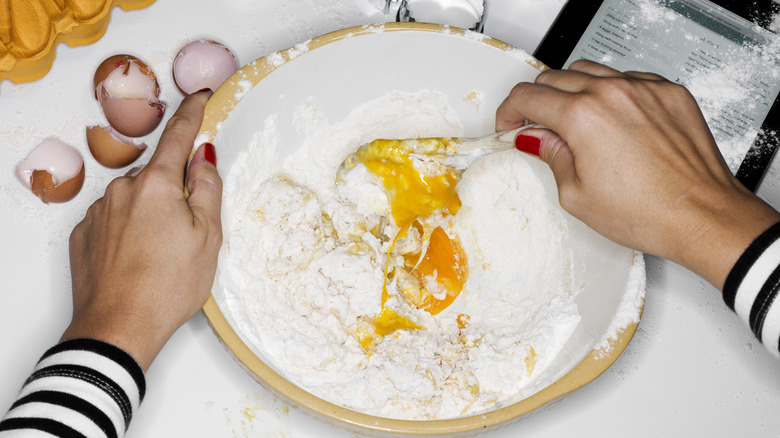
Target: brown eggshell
[
  {"x": 131, "y": 117},
  {"x": 121, "y": 61},
  {"x": 109, "y": 151},
  {"x": 43, "y": 186}
]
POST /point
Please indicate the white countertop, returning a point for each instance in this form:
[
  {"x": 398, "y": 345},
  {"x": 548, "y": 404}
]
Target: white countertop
[{"x": 692, "y": 369}]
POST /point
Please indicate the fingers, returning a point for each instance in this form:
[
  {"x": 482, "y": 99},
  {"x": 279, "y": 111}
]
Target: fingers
[
  {"x": 552, "y": 92},
  {"x": 534, "y": 102},
  {"x": 577, "y": 77},
  {"x": 564, "y": 80},
  {"x": 553, "y": 150},
  {"x": 581, "y": 73},
  {"x": 205, "y": 187},
  {"x": 176, "y": 141},
  {"x": 645, "y": 75},
  {"x": 544, "y": 100},
  {"x": 594, "y": 69},
  {"x": 510, "y": 114}
]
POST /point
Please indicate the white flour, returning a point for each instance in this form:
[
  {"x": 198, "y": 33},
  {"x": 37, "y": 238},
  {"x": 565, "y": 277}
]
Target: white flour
[{"x": 300, "y": 268}]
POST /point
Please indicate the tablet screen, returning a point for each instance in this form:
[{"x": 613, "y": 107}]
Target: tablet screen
[{"x": 731, "y": 65}]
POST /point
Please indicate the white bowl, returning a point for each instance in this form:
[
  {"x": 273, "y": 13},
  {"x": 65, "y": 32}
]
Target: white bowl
[{"x": 345, "y": 69}]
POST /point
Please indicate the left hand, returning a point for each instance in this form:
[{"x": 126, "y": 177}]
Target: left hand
[{"x": 144, "y": 258}]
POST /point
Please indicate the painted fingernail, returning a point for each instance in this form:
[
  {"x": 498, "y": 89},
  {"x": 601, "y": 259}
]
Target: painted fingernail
[
  {"x": 134, "y": 171},
  {"x": 205, "y": 90},
  {"x": 528, "y": 144},
  {"x": 210, "y": 153}
]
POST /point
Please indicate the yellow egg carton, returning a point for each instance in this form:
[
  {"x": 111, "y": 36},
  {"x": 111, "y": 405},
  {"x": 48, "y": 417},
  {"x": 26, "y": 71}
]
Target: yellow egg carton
[{"x": 31, "y": 29}]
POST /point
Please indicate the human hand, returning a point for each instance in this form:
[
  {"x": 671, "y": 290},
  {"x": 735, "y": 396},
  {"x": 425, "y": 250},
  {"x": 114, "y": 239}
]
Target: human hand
[
  {"x": 634, "y": 159},
  {"x": 144, "y": 257}
]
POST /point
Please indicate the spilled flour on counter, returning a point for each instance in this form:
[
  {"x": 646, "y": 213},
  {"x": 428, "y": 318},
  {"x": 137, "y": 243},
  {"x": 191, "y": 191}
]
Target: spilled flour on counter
[{"x": 303, "y": 265}]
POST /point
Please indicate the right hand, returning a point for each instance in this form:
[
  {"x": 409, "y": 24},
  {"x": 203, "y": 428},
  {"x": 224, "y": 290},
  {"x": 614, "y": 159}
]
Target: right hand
[{"x": 634, "y": 159}]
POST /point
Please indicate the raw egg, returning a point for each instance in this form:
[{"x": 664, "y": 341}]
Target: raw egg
[
  {"x": 128, "y": 92},
  {"x": 433, "y": 267},
  {"x": 53, "y": 171},
  {"x": 112, "y": 149},
  {"x": 438, "y": 271},
  {"x": 203, "y": 64},
  {"x": 411, "y": 193}
]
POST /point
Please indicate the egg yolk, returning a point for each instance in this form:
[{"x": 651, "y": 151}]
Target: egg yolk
[
  {"x": 411, "y": 193},
  {"x": 442, "y": 271},
  {"x": 432, "y": 277},
  {"x": 463, "y": 321},
  {"x": 530, "y": 362}
]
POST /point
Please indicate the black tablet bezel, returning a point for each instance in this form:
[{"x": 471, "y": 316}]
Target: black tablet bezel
[
  {"x": 574, "y": 19},
  {"x": 566, "y": 31}
]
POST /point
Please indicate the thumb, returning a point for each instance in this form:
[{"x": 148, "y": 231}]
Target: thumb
[
  {"x": 553, "y": 150},
  {"x": 205, "y": 186}
]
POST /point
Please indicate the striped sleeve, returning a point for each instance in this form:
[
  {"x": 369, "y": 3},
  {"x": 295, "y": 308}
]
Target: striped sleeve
[
  {"x": 751, "y": 288},
  {"x": 79, "y": 388}
]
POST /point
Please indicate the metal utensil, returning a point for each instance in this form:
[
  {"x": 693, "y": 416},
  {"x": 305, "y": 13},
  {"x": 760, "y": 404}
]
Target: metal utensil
[
  {"x": 467, "y": 150},
  {"x": 436, "y": 156}
]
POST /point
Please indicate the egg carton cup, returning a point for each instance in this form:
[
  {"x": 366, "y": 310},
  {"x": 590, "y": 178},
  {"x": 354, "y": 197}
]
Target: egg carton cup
[{"x": 31, "y": 29}]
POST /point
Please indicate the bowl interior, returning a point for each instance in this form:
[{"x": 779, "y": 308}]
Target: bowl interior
[{"x": 345, "y": 69}]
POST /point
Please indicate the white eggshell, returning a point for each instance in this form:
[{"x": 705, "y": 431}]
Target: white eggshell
[{"x": 202, "y": 64}]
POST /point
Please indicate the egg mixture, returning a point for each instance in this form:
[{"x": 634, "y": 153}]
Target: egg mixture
[
  {"x": 427, "y": 264},
  {"x": 386, "y": 287}
]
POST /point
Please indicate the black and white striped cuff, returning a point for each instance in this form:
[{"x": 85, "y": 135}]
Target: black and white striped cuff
[
  {"x": 81, "y": 387},
  {"x": 751, "y": 289}
]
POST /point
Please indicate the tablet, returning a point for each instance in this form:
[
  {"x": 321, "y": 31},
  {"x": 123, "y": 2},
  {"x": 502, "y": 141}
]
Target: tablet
[{"x": 723, "y": 51}]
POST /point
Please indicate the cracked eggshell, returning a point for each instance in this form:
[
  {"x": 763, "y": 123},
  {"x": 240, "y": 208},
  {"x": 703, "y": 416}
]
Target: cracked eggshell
[
  {"x": 203, "y": 64},
  {"x": 53, "y": 171},
  {"x": 128, "y": 92},
  {"x": 112, "y": 149},
  {"x": 131, "y": 117}
]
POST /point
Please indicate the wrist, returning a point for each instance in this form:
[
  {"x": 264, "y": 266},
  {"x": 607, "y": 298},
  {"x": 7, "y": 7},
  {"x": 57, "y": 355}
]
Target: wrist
[
  {"x": 721, "y": 226},
  {"x": 134, "y": 333}
]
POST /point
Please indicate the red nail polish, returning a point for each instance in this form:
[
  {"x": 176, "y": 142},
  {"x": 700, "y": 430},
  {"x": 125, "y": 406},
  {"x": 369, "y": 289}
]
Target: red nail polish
[
  {"x": 210, "y": 153},
  {"x": 528, "y": 144},
  {"x": 205, "y": 90}
]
